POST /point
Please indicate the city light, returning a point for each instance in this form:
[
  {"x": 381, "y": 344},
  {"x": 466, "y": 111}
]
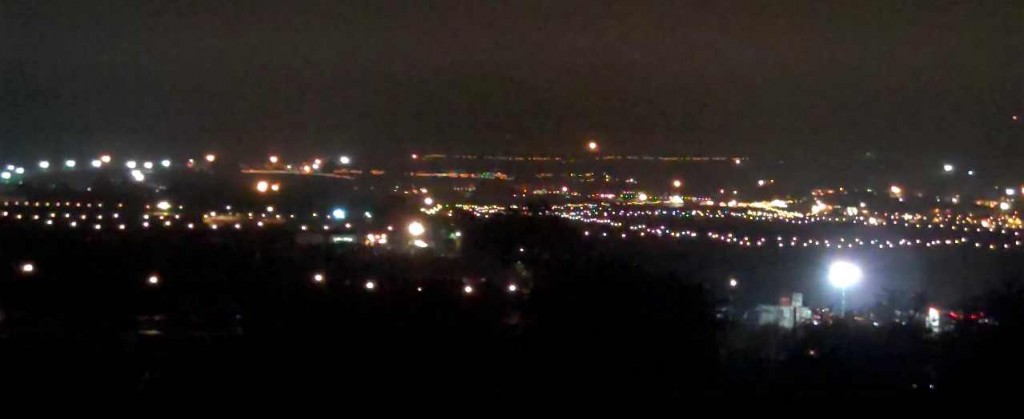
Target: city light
[
  {"x": 344, "y": 160},
  {"x": 1005, "y": 206},
  {"x": 338, "y": 214},
  {"x": 318, "y": 277},
  {"x": 512, "y": 288},
  {"x": 138, "y": 176},
  {"x": 677, "y": 183},
  {"x": 275, "y": 187},
  {"x": 592, "y": 146},
  {"x": 262, "y": 186},
  {"x": 420, "y": 244},
  {"x": 896, "y": 190},
  {"x": 733, "y": 283},
  {"x": 165, "y": 163},
  {"x": 843, "y": 275},
  {"x": 27, "y": 268},
  {"x": 105, "y": 158},
  {"x": 130, "y": 164},
  {"x": 428, "y": 201},
  {"x": 5, "y": 175},
  {"x": 44, "y": 164},
  {"x": 163, "y": 205},
  {"x": 370, "y": 285},
  {"x": 467, "y": 289},
  {"x": 416, "y": 228},
  {"x": 642, "y": 197},
  {"x": 948, "y": 168},
  {"x": 273, "y": 159},
  {"x": 153, "y": 280},
  {"x": 1011, "y": 191},
  {"x": 211, "y": 158},
  {"x": 19, "y": 170},
  {"x": 70, "y": 164},
  {"x": 147, "y": 165},
  {"x": 96, "y": 163}
]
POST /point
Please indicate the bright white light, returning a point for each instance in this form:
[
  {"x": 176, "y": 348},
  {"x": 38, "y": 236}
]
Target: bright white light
[
  {"x": 344, "y": 160},
  {"x": 147, "y": 165},
  {"x": 262, "y": 186},
  {"x": 760, "y": 182},
  {"x": 153, "y": 280},
  {"x": 428, "y": 201},
  {"x": 842, "y": 274},
  {"x": 338, "y": 214},
  {"x": 1005, "y": 206},
  {"x": 641, "y": 197},
  {"x": 138, "y": 176},
  {"x": 1011, "y": 191},
  {"x": 592, "y": 146},
  {"x": 318, "y": 277},
  {"x": 896, "y": 190},
  {"x": 70, "y": 164},
  {"x": 5, "y": 175},
  {"x": 733, "y": 282},
  {"x": 44, "y": 164},
  {"x": 275, "y": 187},
  {"x": 947, "y": 168},
  {"x": 19, "y": 170},
  {"x": 367, "y": 214},
  {"x": 419, "y": 243},
  {"x": 512, "y": 288},
  {"x": 165, "y": 163},
  {"x": 273, "y": 159},
  {"x": 97, "y": 163},
  {"x": 163, "y": 205},
  {"x": 675, "y": 199},
  {"x": 416, "y": 228},
  {"x": 370, "y": 285},
  {"x": 677, "y": 183},
  {"x": 27, "y": 268},
  {"x": 467, "y": 289},
  {"x": 105, "y": 158},
  {"x": 130, "y": 164},
  {"x": 211, "y": 158}
]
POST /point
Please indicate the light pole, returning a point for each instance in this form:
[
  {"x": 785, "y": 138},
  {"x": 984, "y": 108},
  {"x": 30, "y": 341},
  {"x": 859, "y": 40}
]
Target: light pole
[{"x": 842, "y": 275}]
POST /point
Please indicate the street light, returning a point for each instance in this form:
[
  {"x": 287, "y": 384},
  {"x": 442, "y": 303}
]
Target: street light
[
  {"x": 592, "y": 146},
  {"x": 842, "y": 275},
  {"x": 416, "y": 228}
]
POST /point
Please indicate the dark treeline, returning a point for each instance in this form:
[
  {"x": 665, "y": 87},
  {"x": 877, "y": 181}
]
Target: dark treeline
[{"x": 237, "y": 318}]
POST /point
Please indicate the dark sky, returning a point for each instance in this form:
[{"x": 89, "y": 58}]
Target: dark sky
[{"x": 753, "y": 78}]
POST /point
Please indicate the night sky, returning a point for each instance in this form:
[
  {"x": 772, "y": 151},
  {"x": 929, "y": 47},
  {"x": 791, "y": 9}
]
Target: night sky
[{"x": 752, "y": 78}]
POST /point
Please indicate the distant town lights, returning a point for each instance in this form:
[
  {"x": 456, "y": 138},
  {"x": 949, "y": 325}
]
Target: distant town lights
[
  {"x": 1011, "y": 191},
  {"x": 338, "y": 214},
  {"x": 843, "y": 274},
  {"x": 138, "y": 176}
]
